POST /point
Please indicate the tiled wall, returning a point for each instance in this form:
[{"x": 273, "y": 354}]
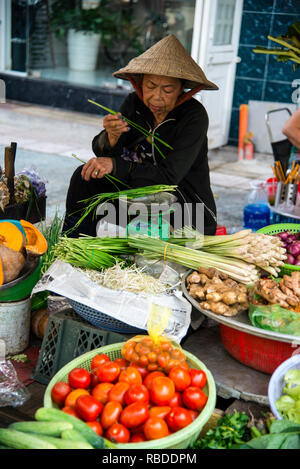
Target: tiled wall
[{"x": 259, "y": 76}]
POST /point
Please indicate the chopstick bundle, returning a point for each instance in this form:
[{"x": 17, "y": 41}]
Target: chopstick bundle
[{"x": 281, "y": 175}]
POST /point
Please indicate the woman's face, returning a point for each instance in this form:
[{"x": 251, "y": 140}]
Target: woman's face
[{"x": 160, "y": 94}]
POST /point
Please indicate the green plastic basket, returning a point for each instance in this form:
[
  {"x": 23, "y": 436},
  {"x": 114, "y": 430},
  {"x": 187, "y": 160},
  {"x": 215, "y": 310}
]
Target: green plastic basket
[
  {"x": 279, "y": 228},
  {"x": 182, "y": 439}
]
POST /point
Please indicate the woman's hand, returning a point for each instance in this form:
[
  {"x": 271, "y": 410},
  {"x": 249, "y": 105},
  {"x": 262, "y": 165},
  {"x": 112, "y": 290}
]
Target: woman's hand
[
  {"x": 115, "y": 127},
  {"x": 97, "y": 168}
]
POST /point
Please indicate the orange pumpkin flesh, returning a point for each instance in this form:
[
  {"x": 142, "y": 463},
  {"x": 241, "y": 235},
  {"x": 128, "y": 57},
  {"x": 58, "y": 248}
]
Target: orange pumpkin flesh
[
  {"x": 11, "y": 237},
  {"x": 35, "y": 242}
]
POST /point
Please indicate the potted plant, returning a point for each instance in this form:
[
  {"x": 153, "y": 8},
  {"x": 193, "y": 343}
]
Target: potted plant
[{"x": 84, "y": 28}]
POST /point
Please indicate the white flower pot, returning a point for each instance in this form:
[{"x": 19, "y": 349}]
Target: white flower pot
[{"x": 83, "y": 50}]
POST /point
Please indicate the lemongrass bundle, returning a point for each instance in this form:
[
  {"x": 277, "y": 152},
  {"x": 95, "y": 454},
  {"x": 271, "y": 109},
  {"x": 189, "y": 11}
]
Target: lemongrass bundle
[
  {"x": 263, "y": 250},
  {"x": 155, "y": 248}
]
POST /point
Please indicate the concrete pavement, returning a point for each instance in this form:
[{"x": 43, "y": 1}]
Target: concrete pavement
[{"x": 47, "y": 137}]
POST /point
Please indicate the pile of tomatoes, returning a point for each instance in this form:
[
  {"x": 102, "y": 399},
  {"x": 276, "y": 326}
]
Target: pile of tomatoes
[{"x": 126, "y": 402}]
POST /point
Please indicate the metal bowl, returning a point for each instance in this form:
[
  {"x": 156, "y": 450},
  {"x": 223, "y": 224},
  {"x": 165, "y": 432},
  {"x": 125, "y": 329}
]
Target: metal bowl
[{"x": 240, "y": 322}]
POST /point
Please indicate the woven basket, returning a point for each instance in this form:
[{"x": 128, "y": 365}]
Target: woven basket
[
  {"x": 279, "y": 228},
  {"x": 179, "y": 440}
]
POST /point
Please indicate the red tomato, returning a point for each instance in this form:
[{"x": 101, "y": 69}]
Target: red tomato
[
  {"x": 178, "y": 418},
  {"x": 143, "y": 371},
  {"x": 180, "y": 377},
  {"x": 88, "y": 408},
  {"x": 110, "y": 414},
  {"x": 137, "y": 437},
  {"x": 194, "y": 414},
  {"x": 99, "y": 360},
  {"x": 70, "y": 411},
  {"x": 134, "y": 414},
  {"x": 155, "y": 428},
  {"x": 94, "y": 378},
  {"x": 108, "y": 372},
  {"x": 73, "y": 396},
  {"x": 198, "y": 378},
  {"x": 60, "y": 391},
  {"x": 150, "y": 377},
  {"x": 137, "y": 392},
  {"x": 162, "y": 390},
  {"x": 101, "y": 392},
  {"x": 118, "y": 391},
  {"x": 118, "y": 433},
  {"x": 79, "y": 378},
  {"x": 122, "y": 363},
  {"x": 176, "y": 400},
  {"x": 131, "y": 376},
  {"x": 159, "y": 411},
  {"x": 96, "y": 426},
  {"x": 194, "y": 398}
]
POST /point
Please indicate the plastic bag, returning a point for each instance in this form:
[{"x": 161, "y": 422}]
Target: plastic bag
[
  {"x": 12, "y": 391},
  {"x": 155, "y": 351},
  {"x": 275, "y": 318}
]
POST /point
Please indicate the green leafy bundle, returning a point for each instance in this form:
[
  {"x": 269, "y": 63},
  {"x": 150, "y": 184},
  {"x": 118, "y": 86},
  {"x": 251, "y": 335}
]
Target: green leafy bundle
[{"x": 290, "y": 46}]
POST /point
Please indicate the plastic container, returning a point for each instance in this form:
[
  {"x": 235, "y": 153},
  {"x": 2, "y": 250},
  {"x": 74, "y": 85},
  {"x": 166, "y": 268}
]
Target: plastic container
[
  {"x": 276, "y": 383},
  {"x": 22, "y": 287},
  {"x": 278, "y": 228},
  {"x": 256, "y": 352},
  {"x": 68, "y": 336},
  {"x": 15, "y": 325},
  {"x": 271, "y": 187},
  {"x": 178, "y": 440},
  {"x": 256, "y": 211}
]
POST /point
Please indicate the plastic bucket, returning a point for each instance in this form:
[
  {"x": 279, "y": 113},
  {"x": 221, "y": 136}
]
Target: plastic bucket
[{"x": 15, "y": 325}]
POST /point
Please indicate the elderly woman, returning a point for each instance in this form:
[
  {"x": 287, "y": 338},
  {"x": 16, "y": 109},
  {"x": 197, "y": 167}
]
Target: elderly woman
[{"x": 161, "y": 105}]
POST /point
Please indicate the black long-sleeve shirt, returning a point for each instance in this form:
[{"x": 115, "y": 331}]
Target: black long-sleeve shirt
[{"x": 186, "y": 165}]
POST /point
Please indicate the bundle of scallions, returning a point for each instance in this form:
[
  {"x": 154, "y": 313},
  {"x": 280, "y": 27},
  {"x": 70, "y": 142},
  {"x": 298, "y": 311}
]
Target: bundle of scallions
[
  {"x": 93, "y": 202},
  {"x": 262, "y": 250},
  {"x": 92, "y": 252}
]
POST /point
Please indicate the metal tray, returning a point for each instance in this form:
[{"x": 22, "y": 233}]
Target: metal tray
[{"x": 240, "y": 322}]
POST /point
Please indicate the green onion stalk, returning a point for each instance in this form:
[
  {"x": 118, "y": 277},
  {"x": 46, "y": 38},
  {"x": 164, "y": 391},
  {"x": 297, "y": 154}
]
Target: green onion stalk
[
  {"x": 93, "y": 202},
  {"x": 92, "y": 252},
  {"x": 154, "y": 248},
  {"x": 138, "y": 127}
]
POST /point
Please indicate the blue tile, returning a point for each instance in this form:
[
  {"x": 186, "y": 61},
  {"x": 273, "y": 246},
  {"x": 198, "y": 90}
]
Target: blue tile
[
  {"x": 252, "y": 65},
  {"x": 255, "y": 29},
  {"x": 234, "y": 125},
  {"x": 281, "y": 23},
  {"x": 278, "y": 92},
  {"x": 282, "y": 71},
  {"x": 287, "y": 6},
  {"x": 258, "y": 5},
  {"x": 246, "y": 90}
]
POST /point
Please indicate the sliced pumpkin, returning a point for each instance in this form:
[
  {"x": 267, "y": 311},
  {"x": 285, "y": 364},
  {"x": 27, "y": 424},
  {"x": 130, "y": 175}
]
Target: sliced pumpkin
[
  {"x": 35, "y": 242},
  {"x": 11, "y": 237},
  {"x": 11, "y": 264}
]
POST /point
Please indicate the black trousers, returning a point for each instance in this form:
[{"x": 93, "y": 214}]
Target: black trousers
[{"x": 79, "y": 189}]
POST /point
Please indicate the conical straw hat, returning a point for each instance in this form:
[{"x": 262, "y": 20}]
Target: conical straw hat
[{"x": 169, "y": 58}]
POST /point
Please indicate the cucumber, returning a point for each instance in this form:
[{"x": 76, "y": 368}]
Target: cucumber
[
  {"x": 19, "y": 440},
  {"x": 44, "y": 428},
  {"x": 55, "y": 415},
  {"x": 60, "y": 443},
  {"x": 73, "y": 435}
]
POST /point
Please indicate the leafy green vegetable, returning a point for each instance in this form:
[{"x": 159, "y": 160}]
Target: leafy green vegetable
[
  {"x": 231, "y": 429},
  {"x": 283, "y": 435}
]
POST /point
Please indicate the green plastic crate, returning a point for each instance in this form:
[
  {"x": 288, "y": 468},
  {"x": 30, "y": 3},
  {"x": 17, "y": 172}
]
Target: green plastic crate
[{"x": 68, "y": 336}]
